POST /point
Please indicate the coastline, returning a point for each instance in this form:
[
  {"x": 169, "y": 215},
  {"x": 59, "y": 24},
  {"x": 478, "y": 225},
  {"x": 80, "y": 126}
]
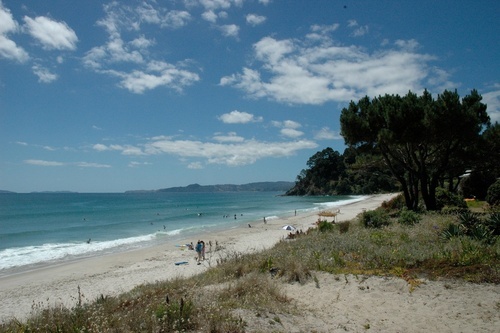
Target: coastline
[
  {"x": 353, "y": 304},
  {"x": 116, "y": 273}
]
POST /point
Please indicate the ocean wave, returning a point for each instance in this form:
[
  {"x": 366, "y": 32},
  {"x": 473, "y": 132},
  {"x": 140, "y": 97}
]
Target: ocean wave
[
  {"x": 332, "y": 204},
  {"x": 31, "y": 255}
]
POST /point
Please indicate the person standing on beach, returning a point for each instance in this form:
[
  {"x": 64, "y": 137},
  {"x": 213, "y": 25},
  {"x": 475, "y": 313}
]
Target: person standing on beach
[
  {"x": 198, "y": 248},
  {"x": 203, "y": 250}
]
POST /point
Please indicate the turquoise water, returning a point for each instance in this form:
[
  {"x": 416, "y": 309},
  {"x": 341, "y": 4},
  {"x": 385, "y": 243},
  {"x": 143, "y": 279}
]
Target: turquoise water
[{"x": 44, "y": 228}]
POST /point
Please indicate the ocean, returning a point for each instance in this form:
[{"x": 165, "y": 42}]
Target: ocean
[{"x": 39, "y": 229}]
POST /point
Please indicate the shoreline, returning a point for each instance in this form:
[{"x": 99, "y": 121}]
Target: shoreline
[{"x": 115, "y": 273}]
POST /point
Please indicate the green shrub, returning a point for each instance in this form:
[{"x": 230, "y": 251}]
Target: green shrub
[
  {"x": 445, "y": 198},
  {"x": 325, "y": 226},
  {"x": 472, "y": 226},
  {"x": 493, "y": 223},
  {"x": 375, "y": 219},
  {"x": 344, "y": 227},
  {"x": 469, "y": 220},
  {"x": 409, "y": 217},
  {"x": 493, "y": 194},
  {"x": 396, "y": 203},
  {"x": 452, "y": 230}
]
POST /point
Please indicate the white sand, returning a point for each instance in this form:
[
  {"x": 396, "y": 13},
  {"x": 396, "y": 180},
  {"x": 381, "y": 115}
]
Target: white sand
[{"x": 382, "y": 304}]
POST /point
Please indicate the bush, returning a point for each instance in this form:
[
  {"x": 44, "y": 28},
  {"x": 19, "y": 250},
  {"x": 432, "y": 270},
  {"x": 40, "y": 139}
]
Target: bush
[
  {"x": 493, "y": 223},
  {"x": 409, "y": 217},
  {"x": 445, "y": 198},
  {"x": 473, "y": 227},
  {"x": 375, "y": 219},
  {"x": 344, "y": 227},
  {"x": 493, "y": 195},
  {"x": 324, "y": 226},
  {"x": 398, "y": 202}
]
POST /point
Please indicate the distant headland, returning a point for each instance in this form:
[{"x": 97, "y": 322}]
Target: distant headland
[{"x": 280, "y": 186}]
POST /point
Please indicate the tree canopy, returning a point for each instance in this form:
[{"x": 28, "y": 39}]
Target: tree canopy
[
  {"x": 354, "y": 172},
  {"x": 422, "y": 140}
]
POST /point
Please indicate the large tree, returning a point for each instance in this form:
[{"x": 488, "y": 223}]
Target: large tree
[{"x": 422, "y": 140}]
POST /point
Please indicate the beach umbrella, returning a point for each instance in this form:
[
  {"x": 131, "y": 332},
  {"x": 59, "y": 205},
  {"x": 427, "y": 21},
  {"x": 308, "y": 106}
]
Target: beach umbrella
[{"x": 288, "y": 227}]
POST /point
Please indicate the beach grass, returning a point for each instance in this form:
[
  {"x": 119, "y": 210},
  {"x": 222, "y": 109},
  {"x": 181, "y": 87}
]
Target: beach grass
[{"x": 245, "y": 287}]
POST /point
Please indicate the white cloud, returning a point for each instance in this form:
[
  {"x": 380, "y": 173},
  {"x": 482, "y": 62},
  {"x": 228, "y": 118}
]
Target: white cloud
[
  {"x": 408, "y": 45},
  {"x": 357, "y": 29},
  {"x": 239, "y": 117},
  {"x": 56, "y": 164},
  {"x": 220, "y": 4},
  {"x": 147, "y": 13},
  {"x": 209, "y": 16},
  {"x": 175, "y": 19},
  {"x": 44, "y": 75},
  {"x": 134, "y": 164},
  {"x": 324, "y": 29},
  {"x": 139, "y": 81},
  {"x": 272, "y": 51},
  {"x": 142, "y": 42},
  {"x": 8, "y": 48},
  {"x": 291, "y": 133},
  {"x": 90, "y": 165},
  {"x": 100, "y": 147},
  {"x": 289, "y": 128},
  {"x": 291, "y": 124},
  {"x": 492, "y": 100},
  {"x": 254, "y": 19},
  {"x": 230, "y": 137},
  {"x": 235, "y": 153},
  {"x": 316, "y": 72},
  {"x": 145, "y": 73},
  {"x": 230, "y": 30},
  {"x": 51, "y": 34},
  {"x": 43, "y": 163},
  {"x": 195, "y": 166},
  {"x": 326, "y": 134}
]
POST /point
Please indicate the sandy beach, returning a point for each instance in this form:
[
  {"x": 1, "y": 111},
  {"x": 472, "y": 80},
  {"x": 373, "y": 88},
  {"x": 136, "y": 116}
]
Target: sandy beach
[{"x": 348, "y": 303}]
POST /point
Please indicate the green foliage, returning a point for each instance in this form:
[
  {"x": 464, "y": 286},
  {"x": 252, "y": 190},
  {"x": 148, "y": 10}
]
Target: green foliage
[
  {"x": 471, "y": 225},
  {"x": 344, "y": 227},
  {"x": 325, "y": 226},
  {"x": 493, "y": 223},
  {"x": 446, "y": 198},
  {"x": 493, "y": 196},
  {"x": 375, "y": 219},
  {"x": 411, "y": 131},
  {"x": 452, "y": 230},
  {"x": 409, "y": 217},
  {"x": 357, "y": 171},
  {"x": 396, "y": 203},
  {"x": 175, "y": 316}
]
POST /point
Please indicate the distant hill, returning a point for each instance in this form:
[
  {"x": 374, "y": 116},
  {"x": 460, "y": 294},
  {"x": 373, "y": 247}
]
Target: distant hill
[
  {"x": 251, "y": 187},
  {"x": 3, "y": 191}
]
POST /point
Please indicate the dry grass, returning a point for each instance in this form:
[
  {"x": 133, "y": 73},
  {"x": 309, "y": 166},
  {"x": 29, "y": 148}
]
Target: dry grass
[{"x": 215, "y": 300}]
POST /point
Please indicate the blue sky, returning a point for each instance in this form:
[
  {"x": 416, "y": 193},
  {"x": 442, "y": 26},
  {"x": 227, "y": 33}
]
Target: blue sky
[{"x": 100, "y": 96}]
